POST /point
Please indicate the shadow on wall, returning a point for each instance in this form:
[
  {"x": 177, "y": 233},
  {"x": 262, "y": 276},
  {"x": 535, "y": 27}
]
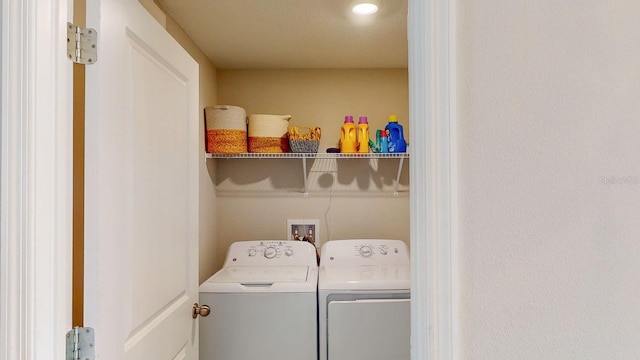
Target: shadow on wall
[{"x": 360, "y": 176}]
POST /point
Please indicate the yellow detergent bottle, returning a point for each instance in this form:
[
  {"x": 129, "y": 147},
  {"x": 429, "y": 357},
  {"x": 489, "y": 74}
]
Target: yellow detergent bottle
[
  {"x": 348, "y": 142},
  {"x": 363, "y": 134}
]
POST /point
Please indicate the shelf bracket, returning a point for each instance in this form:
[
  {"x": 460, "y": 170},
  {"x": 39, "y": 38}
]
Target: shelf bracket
[
  {"x": 395, "y": 186},
  {"x": 304, "y": 176}
]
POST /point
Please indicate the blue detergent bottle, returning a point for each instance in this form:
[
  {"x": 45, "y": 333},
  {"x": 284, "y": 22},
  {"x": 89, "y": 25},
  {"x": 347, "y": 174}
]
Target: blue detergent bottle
[
  {"x": 384, "y": 141},
  {"x": 397, "y": 144}
]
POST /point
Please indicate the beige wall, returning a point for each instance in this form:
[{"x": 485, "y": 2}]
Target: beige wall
[
  {"x": 549, "y": 179},
  {"x": 320, "y": 97},
  {"x": 351, "y": 198}
]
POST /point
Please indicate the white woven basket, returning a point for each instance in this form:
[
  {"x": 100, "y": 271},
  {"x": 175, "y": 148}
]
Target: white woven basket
[
  {"x": 268, "y": 133},
  {"x": 226, "y": 129}
]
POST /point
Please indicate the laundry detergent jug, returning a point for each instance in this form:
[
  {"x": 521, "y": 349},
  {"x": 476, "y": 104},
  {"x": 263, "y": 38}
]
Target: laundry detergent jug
[
  {"x": 397, "y": 143},
  {"x": 363, "y": 135},
  {"x": 348, "y": 143}
]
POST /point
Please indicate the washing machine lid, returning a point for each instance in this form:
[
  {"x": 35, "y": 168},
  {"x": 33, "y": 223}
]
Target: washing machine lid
[
  {"x": 287, "y": 278},
  {"x": 262, "y": 274},
  {"x": 371, "y": 277}
]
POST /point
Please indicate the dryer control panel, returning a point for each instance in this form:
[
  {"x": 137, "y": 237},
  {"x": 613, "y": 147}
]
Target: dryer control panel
[
  {"x": 270, "y": 252},
  {"x": 355, "y": 252}
]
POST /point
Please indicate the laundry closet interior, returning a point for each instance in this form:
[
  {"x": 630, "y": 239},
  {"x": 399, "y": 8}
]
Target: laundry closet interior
[{"x": 315, "y": 62}]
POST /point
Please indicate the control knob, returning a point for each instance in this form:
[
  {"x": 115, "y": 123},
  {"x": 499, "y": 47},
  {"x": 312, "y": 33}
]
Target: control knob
[
  {"x": 270, "y": 252},
  {"x": 366, "y": 251},
  {"x": 288, "y": 252},
  {"x": 252, "y": 252},
  {"x": 383, "y": 251}
]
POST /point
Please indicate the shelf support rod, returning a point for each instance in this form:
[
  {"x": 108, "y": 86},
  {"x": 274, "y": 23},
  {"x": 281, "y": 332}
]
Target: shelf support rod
[
  {"x": 395, "y": 186},
  {"x": 304, "y": 176}
]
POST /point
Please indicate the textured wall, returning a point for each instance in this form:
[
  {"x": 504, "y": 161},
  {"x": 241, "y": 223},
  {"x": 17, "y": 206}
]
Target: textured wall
[{"x": 549, "y": 179}]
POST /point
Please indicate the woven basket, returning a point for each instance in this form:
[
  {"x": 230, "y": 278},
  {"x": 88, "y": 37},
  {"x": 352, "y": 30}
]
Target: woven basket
[
  {"x": 304, "y": 146},
  {"x": 304, "y": 140},
  {"x": 226, "y": 129},
  {"x": 268, "y": 133}
]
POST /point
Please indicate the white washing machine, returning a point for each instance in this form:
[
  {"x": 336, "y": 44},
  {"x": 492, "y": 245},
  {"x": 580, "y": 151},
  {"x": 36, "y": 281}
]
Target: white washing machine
[
  {"x": 364, "y": 300},
  {"x": 263, "y": 303}
]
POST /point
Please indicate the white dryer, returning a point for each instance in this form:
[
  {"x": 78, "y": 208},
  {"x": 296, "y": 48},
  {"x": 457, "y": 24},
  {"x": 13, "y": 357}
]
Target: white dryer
[
  {"x": 364, "y": 300},
  {"x": 263, "y": 303}
]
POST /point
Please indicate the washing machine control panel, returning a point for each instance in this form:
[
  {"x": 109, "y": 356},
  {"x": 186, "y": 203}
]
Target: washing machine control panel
[
  {"x": 270, "y": 252},
  {"x": 270, "y": 249},
  {"x": 365, "y": 251}
]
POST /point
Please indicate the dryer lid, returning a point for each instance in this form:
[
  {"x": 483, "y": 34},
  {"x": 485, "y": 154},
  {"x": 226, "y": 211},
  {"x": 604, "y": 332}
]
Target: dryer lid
[{"x": 391, "y": 277}]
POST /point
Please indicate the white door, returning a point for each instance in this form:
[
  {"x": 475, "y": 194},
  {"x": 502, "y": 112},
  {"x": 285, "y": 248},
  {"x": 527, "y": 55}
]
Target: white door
[{"x": 141, "y": 188}]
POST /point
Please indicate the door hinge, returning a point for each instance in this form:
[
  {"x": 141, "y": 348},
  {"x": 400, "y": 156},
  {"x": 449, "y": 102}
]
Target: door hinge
[
  {"x": 80, "y": 344},
  {"x": 82, "y": 44}
]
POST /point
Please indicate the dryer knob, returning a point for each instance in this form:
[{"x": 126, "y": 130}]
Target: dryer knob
[
  {"x": 270, "y": 252},
  {"x": 288, "y": 252},
  {"x": 383, "y": 251},
  {"x": 252, "y": 252}
]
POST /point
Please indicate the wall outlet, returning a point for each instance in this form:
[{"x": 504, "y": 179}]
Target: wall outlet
[{"x": 305, "y": 230}]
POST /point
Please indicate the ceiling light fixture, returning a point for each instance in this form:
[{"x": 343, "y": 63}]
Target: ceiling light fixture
[{"x": 365, "y": 7}]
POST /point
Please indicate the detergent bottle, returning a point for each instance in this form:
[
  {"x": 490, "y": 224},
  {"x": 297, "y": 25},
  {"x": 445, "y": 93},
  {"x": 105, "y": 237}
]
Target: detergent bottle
[
  {"x": 378, "y": 139},
  {"x": 363, "y": 134},
  {"x": 348, "y": 142},
  {"x": 384, "y": 142},
  {"x": 395, "y": 132}
]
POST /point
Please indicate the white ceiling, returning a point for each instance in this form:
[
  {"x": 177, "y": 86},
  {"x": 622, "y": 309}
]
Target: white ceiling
[{"x": 292, "y": 34}]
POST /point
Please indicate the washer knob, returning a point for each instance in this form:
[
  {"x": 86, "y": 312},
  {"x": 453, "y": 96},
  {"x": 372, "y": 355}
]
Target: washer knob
[
  {"x": 270, "y": 252},
  {"x": 288, "y": 252},
  {"x": 366, "y": 251},
  {"x": 252, "y": 252},
  {"x": 383, "y": 251}
]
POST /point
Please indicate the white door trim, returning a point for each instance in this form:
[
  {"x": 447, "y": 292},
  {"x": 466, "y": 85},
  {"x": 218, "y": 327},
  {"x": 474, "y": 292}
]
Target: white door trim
[
  {"x": 431, "y": 26},
  {"x": 36, "y": 181}
]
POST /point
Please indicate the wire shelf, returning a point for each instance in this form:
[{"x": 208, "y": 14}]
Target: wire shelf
[
  {"x": 309, "y": 156},
  {"x": 305, "y": 156}
]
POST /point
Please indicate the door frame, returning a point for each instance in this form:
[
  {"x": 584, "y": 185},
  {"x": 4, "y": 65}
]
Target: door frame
[
  {"x": 36, "y": 179},
  {"x": 433, "y": 179}
]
